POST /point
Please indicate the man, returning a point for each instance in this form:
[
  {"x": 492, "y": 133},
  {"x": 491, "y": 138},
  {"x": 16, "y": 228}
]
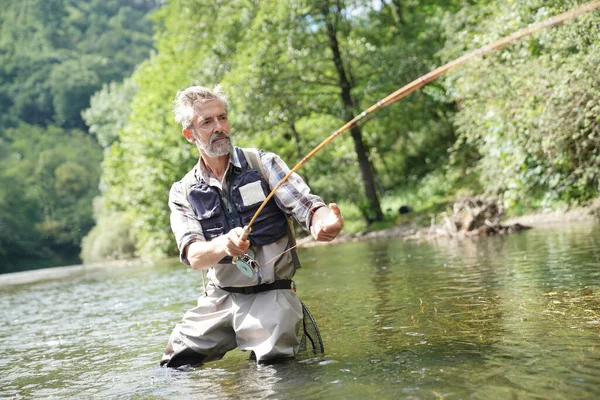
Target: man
[{"x": 250, "y": 305}]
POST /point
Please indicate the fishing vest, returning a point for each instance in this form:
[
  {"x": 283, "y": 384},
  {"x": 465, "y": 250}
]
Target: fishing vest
[{"x": 246, "y": 191}]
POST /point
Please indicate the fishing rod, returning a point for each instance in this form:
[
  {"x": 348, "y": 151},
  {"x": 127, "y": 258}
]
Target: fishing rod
[{"x": 425, "y": 79}]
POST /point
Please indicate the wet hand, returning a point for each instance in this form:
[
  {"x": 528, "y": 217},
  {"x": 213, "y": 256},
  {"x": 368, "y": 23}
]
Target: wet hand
[{"x": 327, "y": 223}]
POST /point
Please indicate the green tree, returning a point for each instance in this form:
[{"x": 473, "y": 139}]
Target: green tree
[
  {"x": 109, "y": 109},
  {"x": 18, "y": 216},
  {"x": 150, "y": 153},
  {"x": 54, "y": 55},
  {"x": 296, "y": 71},
  {"x": 72, "y": 84},
  {"x": 528, "y": 115},
  {"x": 327, "y": 60},
  {"x": 51, "y": 177}
]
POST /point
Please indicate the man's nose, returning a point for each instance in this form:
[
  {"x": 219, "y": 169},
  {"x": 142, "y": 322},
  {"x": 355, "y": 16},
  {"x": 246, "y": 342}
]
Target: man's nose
[{"x": 217, "y": 127}]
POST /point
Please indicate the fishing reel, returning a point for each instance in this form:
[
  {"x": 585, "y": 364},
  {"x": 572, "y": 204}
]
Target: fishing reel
[{"x": 247, "y": 265}]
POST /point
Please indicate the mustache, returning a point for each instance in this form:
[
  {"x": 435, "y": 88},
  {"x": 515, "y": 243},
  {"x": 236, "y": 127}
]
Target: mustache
[{"x": 218, "y": 136}]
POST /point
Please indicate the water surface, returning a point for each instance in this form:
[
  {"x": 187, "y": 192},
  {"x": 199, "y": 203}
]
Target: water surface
[{"x": 504, "y": 317}]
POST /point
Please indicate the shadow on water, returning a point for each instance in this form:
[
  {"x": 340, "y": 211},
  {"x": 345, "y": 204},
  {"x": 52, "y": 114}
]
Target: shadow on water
[{"x": 502, "y": 317}]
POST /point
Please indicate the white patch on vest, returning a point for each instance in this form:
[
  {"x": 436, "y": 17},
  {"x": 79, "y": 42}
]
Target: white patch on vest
[{"x": 252, "y": 193}]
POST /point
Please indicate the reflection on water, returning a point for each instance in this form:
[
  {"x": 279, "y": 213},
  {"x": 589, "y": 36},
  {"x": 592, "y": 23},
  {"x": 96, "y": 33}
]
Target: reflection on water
[{"x": 515, "y": 316}]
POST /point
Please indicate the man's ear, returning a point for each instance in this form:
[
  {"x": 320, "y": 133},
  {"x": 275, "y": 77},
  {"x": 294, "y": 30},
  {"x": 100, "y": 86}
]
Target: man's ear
[{"x": 188, "y": 135}]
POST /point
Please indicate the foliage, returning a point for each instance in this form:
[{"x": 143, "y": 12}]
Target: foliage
[
  {"x": 110, "y": 239},
  {"x": 54, "y": 55},
  {"x": 109, "y": 110},
  {"x": 276, "y": 61},
  {"x": 530, "y": 112},
  {"x": 45, "y": 206},
  {"x": 522, "y": 123}
]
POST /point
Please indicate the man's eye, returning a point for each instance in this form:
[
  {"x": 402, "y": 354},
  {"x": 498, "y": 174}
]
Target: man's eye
[{"x": 206, "y": 122}]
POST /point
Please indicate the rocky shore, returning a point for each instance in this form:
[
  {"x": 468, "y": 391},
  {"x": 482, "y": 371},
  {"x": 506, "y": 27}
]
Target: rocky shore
[{"x": 474, "y": 219}]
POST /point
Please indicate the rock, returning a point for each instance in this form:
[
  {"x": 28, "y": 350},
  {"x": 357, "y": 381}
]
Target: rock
[
  {"x": 405, "y": 209},
  {"x": 516, "y": 228},
  {"x": 475, "y": 216}
]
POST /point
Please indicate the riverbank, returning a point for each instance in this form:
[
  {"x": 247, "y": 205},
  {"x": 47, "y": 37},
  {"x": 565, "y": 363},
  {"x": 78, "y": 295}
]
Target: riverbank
[
  {"x": 44, "y": 274},
  {"x": 412, "y": 231}
]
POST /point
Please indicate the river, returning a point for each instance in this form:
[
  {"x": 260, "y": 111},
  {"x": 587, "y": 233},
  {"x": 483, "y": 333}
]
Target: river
[{"x": 509, "y": 317}]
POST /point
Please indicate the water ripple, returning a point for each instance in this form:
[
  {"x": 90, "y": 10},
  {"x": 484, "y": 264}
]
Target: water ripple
[{"x": 515, "y": 316}]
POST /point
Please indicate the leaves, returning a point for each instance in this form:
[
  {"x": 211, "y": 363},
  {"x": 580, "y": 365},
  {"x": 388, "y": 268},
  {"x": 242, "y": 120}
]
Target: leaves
[
  {"x": 528, "y": 110},
  {"x": 276, "y": 60},
  {"x": 54, "y": 55},
  {"x": 46, "y": 206}
]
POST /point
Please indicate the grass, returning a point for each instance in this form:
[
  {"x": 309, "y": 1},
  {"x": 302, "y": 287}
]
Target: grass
[
  {"x": 429, "y": 198},
  {"x": 423, "y": 208},
  {"x": 432, "y": 197}
]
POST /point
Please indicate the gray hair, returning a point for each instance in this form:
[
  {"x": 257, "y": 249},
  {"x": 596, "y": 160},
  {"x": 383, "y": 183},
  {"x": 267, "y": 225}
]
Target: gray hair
[{"x": 187, "y": 99}]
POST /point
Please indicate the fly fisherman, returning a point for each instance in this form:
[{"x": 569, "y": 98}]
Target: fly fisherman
[{"x": 249, "y": 302}]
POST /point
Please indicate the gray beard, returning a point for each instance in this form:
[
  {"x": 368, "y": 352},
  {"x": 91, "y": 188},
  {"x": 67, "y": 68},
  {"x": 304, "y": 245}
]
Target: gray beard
[{"x": 220, "y": 148}]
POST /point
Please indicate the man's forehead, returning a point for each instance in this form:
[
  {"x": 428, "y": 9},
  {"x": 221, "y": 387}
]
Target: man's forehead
[{"x": 209, "y": 109}]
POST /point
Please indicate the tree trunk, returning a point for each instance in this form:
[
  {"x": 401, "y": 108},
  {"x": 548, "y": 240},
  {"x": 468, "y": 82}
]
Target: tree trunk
[
  {"x": 299, "y": 154},
  {"x": 362, "y": 151},
  {"x": 398, "y": 14}
]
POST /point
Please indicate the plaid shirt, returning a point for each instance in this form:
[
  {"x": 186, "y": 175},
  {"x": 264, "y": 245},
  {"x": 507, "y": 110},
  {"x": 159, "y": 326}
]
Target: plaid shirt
[{"x": 293, "y": 197}]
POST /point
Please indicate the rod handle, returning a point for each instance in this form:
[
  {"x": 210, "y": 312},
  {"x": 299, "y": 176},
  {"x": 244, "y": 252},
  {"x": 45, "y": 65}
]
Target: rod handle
[{"x": 245, "y": 235}]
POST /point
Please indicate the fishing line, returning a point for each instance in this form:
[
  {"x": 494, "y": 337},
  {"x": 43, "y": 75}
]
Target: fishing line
[
  {"x": 425, "y": 79},
  {"x": 280, "y": 254}
]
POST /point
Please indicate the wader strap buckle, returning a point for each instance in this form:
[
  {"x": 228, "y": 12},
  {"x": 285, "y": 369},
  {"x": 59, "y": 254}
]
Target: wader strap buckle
[{"x": 279, "y": 284}]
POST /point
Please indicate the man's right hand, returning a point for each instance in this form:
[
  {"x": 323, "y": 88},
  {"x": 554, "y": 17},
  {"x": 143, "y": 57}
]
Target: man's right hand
[
  {"x": 202, "y": 255},
  {"x": 233, "y": 242}
]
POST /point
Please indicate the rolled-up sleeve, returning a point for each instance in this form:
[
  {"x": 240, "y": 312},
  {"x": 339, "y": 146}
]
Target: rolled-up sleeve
[
  {"x": 185, "y": 226},
  {"x": 294, "y": 195}
]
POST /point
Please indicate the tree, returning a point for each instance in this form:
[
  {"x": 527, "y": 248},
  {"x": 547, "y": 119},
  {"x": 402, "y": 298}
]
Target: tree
[
  {"x": 51, "y": 177},
  {"x": 529, "y": 115},
  {"x": 296, "y": 70},
  {"x": 54, "y": 55},
  {"x": 309, "y": 29},
  {"x": 109, "y": 109}
]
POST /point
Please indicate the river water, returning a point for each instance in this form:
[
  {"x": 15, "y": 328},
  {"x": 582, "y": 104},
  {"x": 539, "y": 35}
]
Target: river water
[{"x": 503, "y": 317}]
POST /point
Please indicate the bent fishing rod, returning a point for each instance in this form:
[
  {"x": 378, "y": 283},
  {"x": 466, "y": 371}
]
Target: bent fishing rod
[{"x": 425, "y": 79}]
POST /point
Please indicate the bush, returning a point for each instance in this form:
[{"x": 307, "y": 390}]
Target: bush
[
  {"x": 110, "y": 239},
  {"x": 531, "y": 111}
]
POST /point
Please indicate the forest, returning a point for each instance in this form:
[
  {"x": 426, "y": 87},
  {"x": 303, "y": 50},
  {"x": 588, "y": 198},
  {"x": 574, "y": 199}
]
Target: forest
[
  {"x": 54, "y": 56},
  {"x": 89, "y": 147}
]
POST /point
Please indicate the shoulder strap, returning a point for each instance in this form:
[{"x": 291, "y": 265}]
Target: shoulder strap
[
  {"x": 253, "y": 160},
  {"x": 188, "y": 181}
]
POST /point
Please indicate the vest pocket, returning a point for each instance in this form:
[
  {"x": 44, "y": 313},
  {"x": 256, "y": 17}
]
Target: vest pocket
[
  {"x": 249, "y": 191},
  {"x": 205, "y": 202}
]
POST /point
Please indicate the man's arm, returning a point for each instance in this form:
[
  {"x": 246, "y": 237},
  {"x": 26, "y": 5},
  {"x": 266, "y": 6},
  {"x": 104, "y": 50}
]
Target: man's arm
[
  {"x": 203, "y": 255},
  {"x": 194, "y": 250},
  {"x": 325, "y": 223}
]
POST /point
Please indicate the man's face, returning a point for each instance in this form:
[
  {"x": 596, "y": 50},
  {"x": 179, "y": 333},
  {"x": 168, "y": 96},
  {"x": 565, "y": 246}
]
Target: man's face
[{"x": 211, "y": 129}]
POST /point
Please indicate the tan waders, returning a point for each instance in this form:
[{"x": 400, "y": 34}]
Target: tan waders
[{"x": 266, "y": 323}]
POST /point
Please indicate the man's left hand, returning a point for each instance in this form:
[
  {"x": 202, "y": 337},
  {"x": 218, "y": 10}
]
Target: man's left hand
[{"x": 327, "y": 223}]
